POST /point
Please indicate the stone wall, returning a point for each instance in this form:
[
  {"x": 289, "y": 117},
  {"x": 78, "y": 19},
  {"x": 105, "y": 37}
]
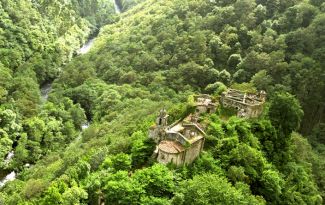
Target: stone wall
[
  {"x": 176, "y": 137},
  {"x": 193, "y": 152},
  {"x": 165, "y": 158},
  {"x": 249, "y": 110}
]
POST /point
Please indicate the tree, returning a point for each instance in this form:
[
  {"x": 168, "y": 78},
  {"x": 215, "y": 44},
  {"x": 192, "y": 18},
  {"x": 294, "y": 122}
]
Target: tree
[
  {"x": 262, "y": 80},
  {"x": 34, "y": 187},
  {"x": 233, "y": 61},
  {"x": 117, "y": 162},
  {"x": 215, "y": 88},
  {"x": 272, "y": 185},
  {"x": 254, "y": 62},
  {"x": 154, "y": 201},
  {"x": 299, "y": 187},
  {"x": 268, "y": 137},
  {"x": 106, "y": 102},
  {"x": 142, "y": 149},
  {"x": 225, "y": 77},
  {"x": 74, "y": 195},
  {"x": 285, "y": 113},
  {"x": 206, "y": 164},
  {"x": 5, "y": 146},
  {"x": 156, "y": 180},
  {"x": 318, "y": 134},
  {"x": 53, "y": 194},
  {"x": 211, "y": 189},
  {"x": 118, "y": 185},
  {"x": 260, "y": 13},
  {"x": 9, "y": 123},
  {"x": 316, "y": 2}
]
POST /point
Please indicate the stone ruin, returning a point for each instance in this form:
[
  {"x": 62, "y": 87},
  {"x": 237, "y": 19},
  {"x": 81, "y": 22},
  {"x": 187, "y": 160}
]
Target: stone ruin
[
  {"x": 181, "y": 142},
  {"x": 248, "y": 105},
  {"x": 204, "y": 104}
]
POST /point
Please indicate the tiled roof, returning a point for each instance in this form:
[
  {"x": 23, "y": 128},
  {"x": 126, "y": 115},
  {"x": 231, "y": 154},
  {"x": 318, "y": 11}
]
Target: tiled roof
[{"x": 171, "y": 147}]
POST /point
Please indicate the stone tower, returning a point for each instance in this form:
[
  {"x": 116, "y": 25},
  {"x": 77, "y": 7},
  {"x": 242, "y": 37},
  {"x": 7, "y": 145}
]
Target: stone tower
[
  {"x": 262, "y": 95},
  {"x": 157, "y": 131},
  {"x": 162, "y": 118}
]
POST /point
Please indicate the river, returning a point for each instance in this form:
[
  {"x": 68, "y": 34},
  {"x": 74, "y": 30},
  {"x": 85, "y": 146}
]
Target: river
[
  {"x": 86, "y": 48},
  {"x": 117, "y": 8},
  {"x": 12, "y": 175},
  {"x": 45, "y": 90}
]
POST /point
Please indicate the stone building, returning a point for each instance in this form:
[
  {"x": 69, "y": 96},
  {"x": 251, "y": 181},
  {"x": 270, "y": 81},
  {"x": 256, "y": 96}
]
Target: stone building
[
  {"x": 159, "y": 129},
  {"x": 181, "y": 142},
  {"x": 204, "y": 104},
  {"x": 248, "y": 104}
]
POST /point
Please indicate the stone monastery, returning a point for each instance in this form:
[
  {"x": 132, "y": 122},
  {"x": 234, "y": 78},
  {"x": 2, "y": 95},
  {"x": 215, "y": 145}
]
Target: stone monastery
[{"x": 182, "y": 142}]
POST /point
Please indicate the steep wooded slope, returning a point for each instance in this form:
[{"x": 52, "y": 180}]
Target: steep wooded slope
[{"x": 158, "y": 54}]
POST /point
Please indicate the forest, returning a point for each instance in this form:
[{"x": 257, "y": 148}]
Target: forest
[{"x": 74, "y": 126}]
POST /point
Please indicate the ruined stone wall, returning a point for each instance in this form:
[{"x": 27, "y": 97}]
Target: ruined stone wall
[
  {"x": 201, "y": 109},
  {"x": 249, "y": 110},
  {"x": 231, "y": 103},
  {"x": 155, "y": 134},
  {"x": 176, "y": 137},
  {"x": 254, "y": 111},
  {"x": 165, "y": 158},
  {"x": 193, "y": 152}
]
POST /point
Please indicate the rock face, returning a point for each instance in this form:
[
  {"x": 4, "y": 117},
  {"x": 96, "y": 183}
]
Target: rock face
[
  {"x": 248, "y": 105},
  {"x": 181, "y": 142}
]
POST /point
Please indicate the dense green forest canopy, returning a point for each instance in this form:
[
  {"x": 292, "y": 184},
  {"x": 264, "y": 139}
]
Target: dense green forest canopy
[{"x": 157, "y": 54}]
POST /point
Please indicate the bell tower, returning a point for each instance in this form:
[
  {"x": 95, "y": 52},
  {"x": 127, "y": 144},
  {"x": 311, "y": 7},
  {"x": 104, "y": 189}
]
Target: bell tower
[
  {"x": 157, "y": 131},
  {"x": 262, "y": 95},
  {"x": 162, "y": 119}
]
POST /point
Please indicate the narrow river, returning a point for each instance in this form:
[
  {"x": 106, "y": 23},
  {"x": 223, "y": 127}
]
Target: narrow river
[
  {"x": 86, "y": 48},
  {"x": 12, "y": 175},
  {"x": 117, "y": 8},
  {"x": 45, "y": 90}
]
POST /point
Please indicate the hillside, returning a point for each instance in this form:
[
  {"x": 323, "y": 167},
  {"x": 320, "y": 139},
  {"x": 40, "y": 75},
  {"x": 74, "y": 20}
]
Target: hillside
[{"x": 158, "y": 54}]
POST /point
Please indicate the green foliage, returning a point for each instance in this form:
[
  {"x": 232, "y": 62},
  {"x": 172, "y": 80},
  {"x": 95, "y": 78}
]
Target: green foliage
[
  {"x": 142, "y": 149},
  {"x": 118, "y": 185},
  {"x": 285, "y": 113},
  {"x": 121, "y": 162},
  {"x": 34, "y": 188},
  {"x": 216, "y": 88},
  {"x": 156, "y": 180},
  {"x": 262, "y": 80},
  {"x": 154, "y": 201},
  {"x": 240, "y": 148},
  {"x": 154, "y": 56},
  {"x": 244, "y": 87},
  {"x": 212, "y": 189},
  {"x": 268, "y": 137},
  {"x": 227, "y": 112},
  {"x": 206, "y": 164}
]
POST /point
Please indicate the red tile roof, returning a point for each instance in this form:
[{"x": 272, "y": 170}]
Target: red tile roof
[{"x": 171, "y": 147}]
